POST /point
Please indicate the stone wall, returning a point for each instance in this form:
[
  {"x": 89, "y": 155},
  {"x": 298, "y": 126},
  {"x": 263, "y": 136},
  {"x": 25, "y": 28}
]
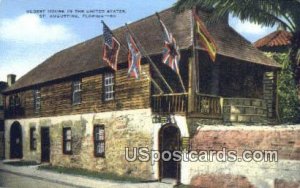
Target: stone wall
[
  {"x": 122, "y": 129},
  {"x": 269, "y": 93},
  {"x": 220, "y": 180},
  {"x": 27, "y": 153},
  {"x": 283, "y": 173},
  {"x": 285, "y": 140},
  {"x": 244, "y": 110}
]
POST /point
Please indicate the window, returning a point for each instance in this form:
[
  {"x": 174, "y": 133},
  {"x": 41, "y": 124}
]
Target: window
[
  {"x": 37, "y": 100},
  {"x": 11, "y": 101},
  {"x": 14, "y": 101},
  {"x": 99, "y": 141},
  {"x": 17, "y": 101},
  {"x": 67, "y": 140},
  {"x": 32, "y": 138},
  {"x": 109, "y": 86},
  {"x": 76, "y": 92}
]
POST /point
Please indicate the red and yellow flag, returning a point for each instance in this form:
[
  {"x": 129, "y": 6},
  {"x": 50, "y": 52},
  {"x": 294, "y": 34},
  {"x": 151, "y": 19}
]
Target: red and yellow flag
[{"x": 205, "y": 38}]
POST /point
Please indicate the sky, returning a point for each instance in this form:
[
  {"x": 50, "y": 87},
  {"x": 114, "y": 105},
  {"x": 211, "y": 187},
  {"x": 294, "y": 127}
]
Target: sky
[{"x": 28, "y": 37}]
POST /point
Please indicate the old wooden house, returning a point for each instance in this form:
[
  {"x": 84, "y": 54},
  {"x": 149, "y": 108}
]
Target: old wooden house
[{"x": 73, "y": 110}]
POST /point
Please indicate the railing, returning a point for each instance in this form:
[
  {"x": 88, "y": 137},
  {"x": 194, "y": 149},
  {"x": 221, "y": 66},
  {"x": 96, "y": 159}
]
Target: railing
[
  {"x": 204, "y": 105},
  {"x": 170, "y": 103},
  {"x": 208, "y": 105}
]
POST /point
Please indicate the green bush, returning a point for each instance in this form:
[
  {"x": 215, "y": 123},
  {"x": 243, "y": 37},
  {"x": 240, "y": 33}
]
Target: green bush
[{"x": 287, "y": 90}]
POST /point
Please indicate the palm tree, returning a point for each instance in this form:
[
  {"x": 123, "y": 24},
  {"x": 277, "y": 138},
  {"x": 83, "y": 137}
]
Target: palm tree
[{"x": 285, "y": 13}]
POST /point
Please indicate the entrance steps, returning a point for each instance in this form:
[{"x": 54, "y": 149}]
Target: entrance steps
[{"x": 169, "y": 181}]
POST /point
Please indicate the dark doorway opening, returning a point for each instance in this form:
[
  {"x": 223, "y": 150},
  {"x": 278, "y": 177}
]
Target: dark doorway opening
[
  {"x": 45, "y": 144},
  {"x": 169, "y": 140},
  {"x": 16, "y": 150}
]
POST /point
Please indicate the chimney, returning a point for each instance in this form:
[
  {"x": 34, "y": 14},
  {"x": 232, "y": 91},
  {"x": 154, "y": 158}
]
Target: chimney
[{"x": 11, "y": 79}]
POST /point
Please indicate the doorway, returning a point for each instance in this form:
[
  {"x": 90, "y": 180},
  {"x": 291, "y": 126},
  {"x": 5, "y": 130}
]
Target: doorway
[
  {"x": 169, "y": 140},
  {"x": 16, "y": 146},
  {"x": 45, "y": 144},
  {"x": 2, "y": 140}
]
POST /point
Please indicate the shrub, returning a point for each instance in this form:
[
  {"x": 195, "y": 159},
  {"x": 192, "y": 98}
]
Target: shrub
[{"x": 287, "y": 90}]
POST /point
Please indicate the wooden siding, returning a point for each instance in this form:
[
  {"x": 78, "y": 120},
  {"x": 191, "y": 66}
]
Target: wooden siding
[
  {"x": 56, "y": 99},
  {"x": 235, "y": 78}
]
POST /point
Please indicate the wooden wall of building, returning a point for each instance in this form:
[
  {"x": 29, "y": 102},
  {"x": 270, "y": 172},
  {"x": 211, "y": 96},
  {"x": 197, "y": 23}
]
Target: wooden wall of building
[
  {"x": 241, "y": 80},
  {"x": 170, "y": 75},
  {"x": 56, "y": 98},
  {"x": 235, "y": 78}
]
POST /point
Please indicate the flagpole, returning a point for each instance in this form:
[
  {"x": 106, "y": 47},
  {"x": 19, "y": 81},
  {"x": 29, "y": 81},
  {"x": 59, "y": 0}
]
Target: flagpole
[
  {"x": 181, "y": 82},
  {"x": 149, "y": 59},
  {"x": 126, "y": 47},
  {"x": 179, "y": 76},
  {"x": 154, "y": 83}
]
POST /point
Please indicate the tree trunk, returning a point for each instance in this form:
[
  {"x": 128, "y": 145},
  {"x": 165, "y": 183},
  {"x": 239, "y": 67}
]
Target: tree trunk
[{"x": 295, "y": 54}]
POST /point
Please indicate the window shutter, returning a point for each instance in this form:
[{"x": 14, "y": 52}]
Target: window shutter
[
  {"x": 95, "y": 136},
  {"x": 103, "y": 87}
]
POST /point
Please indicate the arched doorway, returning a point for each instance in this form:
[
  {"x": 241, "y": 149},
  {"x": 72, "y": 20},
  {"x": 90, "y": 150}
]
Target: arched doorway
[
  {"x": 16, "y": 150},
  {"x": 169, "y": 140}
]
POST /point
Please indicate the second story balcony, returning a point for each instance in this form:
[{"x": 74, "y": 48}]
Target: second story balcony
[
  {"x": 204, "y": 105},
  {"x": 241, "y": 110}
]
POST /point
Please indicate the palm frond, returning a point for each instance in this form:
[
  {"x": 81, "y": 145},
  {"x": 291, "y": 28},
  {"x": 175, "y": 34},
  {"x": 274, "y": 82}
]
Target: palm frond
[{"x": 264, "y": 12}]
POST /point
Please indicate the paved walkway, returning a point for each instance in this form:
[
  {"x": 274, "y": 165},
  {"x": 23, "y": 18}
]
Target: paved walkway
[
  {"x": 72, "y": 180},
  {"x": 8, "y": 179}
]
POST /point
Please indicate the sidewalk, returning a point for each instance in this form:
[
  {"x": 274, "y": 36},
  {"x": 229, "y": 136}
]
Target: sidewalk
[{"x": 73, "y": 180}]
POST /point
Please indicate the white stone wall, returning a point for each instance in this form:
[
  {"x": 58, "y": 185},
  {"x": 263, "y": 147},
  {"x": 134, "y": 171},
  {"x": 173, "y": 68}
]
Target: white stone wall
[
  {"x": 260, "y": 174},
  {"x": 139, "y": 121},
  {"x": 181, "y": 123}
]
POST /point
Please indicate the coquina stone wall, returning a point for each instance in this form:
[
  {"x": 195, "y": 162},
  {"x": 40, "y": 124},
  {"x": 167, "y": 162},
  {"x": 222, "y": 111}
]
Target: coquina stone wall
[
  {"x": 269, "y": 82},
  {"x": 283, "y": 173},
  {"x": 32, "y": 155},
  {"x": 132, "y": 128},
  {"x": 244, "y": 110}
]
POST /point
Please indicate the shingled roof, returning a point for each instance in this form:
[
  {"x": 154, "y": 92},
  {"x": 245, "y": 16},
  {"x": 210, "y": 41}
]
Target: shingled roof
[
  {"x": 86, "y": 56},
  {"x": 275, "y": 39}
]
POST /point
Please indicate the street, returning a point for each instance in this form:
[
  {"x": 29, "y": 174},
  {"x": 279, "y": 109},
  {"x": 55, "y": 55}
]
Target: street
[
  {"x": 8, "y": 179},
  {"x": 31, "y": 176}
]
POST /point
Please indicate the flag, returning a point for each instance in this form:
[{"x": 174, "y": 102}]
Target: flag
[
  {"x": 205, "y": 38},
  {"x": 134, "y": 58},
  {"x": 111, "y": 47},
  {"x": 171, "y": 54}
]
